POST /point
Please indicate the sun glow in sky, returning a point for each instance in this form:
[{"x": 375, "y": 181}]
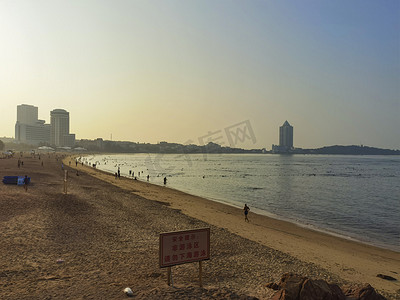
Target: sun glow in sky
[{"x": 150, "y": 71}]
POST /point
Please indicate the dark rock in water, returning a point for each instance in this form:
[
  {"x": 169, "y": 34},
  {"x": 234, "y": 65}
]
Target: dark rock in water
[
  {"x": 387, "y": 277},
  {"x": 362, "y": 292},
  {"x": 296, "y": 287}
]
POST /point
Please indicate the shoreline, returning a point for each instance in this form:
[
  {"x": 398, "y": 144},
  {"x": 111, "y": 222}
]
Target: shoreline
[
  {"x": 351, "y": 260},
  {"x": 267, "y": 214},
  {"x": 309, "y": 226}
]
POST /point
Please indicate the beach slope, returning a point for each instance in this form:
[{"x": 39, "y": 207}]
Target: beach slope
[{"x": 103, "y": 236}]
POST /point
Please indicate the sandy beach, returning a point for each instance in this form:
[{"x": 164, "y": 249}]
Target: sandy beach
[{"x": 103, "y": 236}]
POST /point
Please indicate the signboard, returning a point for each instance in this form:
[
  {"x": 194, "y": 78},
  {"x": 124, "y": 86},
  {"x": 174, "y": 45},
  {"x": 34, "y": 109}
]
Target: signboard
[{"x": 182, "y": 247}]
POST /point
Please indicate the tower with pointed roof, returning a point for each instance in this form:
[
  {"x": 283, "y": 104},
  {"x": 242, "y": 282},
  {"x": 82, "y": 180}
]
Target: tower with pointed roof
[{"x": 286, "y": 136}]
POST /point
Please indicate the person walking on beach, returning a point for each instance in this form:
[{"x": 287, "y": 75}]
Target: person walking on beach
[
  {"x": 246, "y": 212},
  {"x": 165, "y": 180},
  {"x": 26, "y": 183}
]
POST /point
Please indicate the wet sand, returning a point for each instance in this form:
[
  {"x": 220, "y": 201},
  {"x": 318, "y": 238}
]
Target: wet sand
[{"x": 103, "y": 236}]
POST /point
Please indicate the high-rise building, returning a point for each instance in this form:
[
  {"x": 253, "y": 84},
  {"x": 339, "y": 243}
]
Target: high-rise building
[
  {"x": 60, "y": 136},
  {"x": 285, "y": 139},
  {"x": 28, "y": 129},
  {"x": 27, "y": 114},
  {"x": 286, "y": 135}
]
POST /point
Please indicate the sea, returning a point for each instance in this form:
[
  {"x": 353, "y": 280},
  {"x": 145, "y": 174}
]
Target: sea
[{"x": 355, "y": 197}]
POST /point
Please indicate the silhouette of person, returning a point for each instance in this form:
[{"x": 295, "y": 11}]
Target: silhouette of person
[
  {"x": 165, "y": 180},
  {"x": 26, "y": 181},
  {"x": 246, "y": 212}
]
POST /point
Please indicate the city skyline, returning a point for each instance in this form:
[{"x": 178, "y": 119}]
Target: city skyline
[
  {"x": 30, "y": 130},
  {"x": 152, "y": 71}
]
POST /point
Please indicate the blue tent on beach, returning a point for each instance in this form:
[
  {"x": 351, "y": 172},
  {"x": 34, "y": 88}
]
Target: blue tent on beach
[{"x": 19, "y": 180}]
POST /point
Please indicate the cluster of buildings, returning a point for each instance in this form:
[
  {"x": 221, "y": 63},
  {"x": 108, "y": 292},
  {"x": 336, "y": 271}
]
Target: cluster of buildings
[{"x": 30, "y": 130}]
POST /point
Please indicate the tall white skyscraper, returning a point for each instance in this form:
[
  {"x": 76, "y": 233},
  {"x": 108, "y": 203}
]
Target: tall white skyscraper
[
  {"x": 28, "y": 128},
  {"x": 60, "y": 136}
]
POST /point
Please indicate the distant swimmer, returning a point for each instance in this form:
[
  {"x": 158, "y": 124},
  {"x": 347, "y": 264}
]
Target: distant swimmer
[{"x": 246, "y": 212}]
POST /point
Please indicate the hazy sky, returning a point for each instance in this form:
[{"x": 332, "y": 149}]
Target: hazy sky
[{"x": 151, "y": 71}]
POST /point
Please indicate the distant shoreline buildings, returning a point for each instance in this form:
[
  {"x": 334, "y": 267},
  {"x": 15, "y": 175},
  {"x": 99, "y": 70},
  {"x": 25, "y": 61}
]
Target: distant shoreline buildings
[{"x": 30, "y": 130}]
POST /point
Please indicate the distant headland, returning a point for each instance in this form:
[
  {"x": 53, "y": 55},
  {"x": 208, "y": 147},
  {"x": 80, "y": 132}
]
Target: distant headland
[{"x": 350, "y": 150}]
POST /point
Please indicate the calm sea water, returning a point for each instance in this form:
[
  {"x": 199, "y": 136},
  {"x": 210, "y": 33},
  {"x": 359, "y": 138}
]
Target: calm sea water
[{"x": 356, "y": 197}]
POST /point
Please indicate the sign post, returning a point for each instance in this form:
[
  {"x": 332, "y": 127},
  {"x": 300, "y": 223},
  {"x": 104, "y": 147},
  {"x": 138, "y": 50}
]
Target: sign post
[
  {"x": 181, "y": 247},
  {"x": 200, "y": 274}
]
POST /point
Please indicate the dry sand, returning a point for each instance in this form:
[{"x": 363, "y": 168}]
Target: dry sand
[{"x": 103, "y": 236}]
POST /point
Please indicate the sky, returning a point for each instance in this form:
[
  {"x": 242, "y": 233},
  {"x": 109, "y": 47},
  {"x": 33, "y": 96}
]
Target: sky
[{"x": 183, "y": 71}]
